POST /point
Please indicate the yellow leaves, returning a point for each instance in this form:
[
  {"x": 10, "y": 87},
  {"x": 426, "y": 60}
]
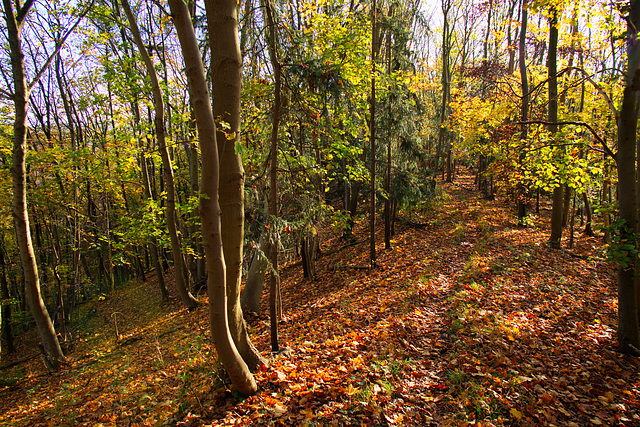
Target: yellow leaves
[
  {"x": 351, "y": 390},
  {"x": 358, "y": 362},
  {"x": 515, "y": 413}
]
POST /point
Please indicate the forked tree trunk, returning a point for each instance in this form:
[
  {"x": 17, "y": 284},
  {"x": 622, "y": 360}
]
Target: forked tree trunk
[
  {"x": 226, "y": 68},
  {"x": 178, "y": 261},
  {"x": 50, "y": 343},
  {"x": 238, "y": 371}
]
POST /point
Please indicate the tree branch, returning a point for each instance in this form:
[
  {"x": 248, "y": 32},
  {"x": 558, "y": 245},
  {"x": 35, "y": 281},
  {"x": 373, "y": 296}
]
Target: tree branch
[
  {"x": 59, "y": 46},
  {"x": 22, "y": 13},
  {"x": 600, "y": 91},
  {"x": 585, "y": 125},
  {"x": 5, "y": 94}
]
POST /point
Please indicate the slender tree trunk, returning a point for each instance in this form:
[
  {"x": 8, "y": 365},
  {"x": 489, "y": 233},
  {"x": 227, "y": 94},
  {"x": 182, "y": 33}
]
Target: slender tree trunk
[
  {"x": 524, "y": 110},
  {"x": 226, "y": 66},
  {"x": 558, "y": 198},
  {"x": 178, "y": 260},
  {"x": 588, "y": 226},
  {"x": 21, "y": 94},
  {"x": 566, "y": 205},
  {"x": 273, "y": 195},
  {"x": 372, "y": 137},
  {"x": 238, "y": 371},
  {"x": 387, "y": 172}
]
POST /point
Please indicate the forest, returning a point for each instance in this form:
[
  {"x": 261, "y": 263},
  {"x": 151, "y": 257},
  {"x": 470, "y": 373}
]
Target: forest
[{"x": 319, "y": 212}]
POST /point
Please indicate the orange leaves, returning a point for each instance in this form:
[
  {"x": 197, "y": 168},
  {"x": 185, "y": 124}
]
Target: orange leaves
[{"x": 497, "y": 331}]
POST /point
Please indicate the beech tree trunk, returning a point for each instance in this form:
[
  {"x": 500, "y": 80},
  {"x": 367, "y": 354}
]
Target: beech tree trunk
[
  {"x": 238, "y": 371},
  {"x": 226, "y": 68},
  {"x": 50, "y": 344},
  {"x": 182, "y": 282},
  {"x": 250, "y": 298}
]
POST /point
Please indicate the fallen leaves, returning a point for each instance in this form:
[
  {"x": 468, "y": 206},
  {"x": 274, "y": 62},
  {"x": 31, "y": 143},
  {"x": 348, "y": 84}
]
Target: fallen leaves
[{"x": 472, "y": 320}]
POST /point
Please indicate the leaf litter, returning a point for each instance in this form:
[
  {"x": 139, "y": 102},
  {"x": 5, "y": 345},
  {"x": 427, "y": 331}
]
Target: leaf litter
[{"x": 468, "y": 320}]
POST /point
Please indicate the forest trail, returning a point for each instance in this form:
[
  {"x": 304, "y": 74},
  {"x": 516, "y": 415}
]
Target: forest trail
[{"x": 468, "y": 319}]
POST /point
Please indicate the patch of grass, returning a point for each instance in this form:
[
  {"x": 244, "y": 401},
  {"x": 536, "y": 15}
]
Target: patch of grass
[{"x": 473, "y": 397}]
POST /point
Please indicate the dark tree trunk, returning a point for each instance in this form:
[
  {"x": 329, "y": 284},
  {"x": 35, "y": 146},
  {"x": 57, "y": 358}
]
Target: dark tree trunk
[
  {"x": 558, "y": 196},
  {"x": 273, "y": 196},
  {"x": 628, "y": 328},
  {"x": 522, "y": 189},
  {"x": 372, "y": 137}
]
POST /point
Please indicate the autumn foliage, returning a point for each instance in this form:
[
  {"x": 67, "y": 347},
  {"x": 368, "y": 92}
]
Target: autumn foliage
[{"x": 468, "y": 319}]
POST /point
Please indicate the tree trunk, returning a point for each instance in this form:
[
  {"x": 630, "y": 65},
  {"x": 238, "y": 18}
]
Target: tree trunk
[
  {"x": 226, "y": 66},
  {"x": 238, "y": 371},
  {"x": 178, "y": 261},
  {"x": 21, "y": 94},
  {"x": 524, "y": 111},
  {"x": 308, "y": 256},
  {"x": 273, "y": 191},
  {"x": 250, "y": 298},
  {"x": 628, "y": 330},
  {"x": 558, "y": 198},
  {"x": 588, "y": 227},
  {"x": 387, "y": 171},
  {"x": 566, "y": 205},
  {"x": 372, "y": 137}
]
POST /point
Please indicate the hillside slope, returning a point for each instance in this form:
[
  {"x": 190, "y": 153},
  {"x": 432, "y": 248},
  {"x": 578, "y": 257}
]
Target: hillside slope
[{"x": 468, "y": 319}]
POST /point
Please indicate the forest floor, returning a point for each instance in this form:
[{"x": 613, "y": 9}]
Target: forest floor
[{"x": 468, "y": 319}]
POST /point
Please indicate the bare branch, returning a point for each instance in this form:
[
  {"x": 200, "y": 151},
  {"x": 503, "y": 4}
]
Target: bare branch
[
  {"x": 59, "y": 45},
  {"x": 22, "y": 13},
  {"x": 5, "y": 94},
  {"x": 600, "y": 91},
  {"x": 582, "y": 124}
]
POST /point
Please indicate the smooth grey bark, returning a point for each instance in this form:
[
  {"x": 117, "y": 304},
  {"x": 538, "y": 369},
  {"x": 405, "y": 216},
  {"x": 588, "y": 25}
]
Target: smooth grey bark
[
  {"x": 250, "y": 298},
  {"x": 241, "y": 378},
  {"x": 226, "y": 72}
]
